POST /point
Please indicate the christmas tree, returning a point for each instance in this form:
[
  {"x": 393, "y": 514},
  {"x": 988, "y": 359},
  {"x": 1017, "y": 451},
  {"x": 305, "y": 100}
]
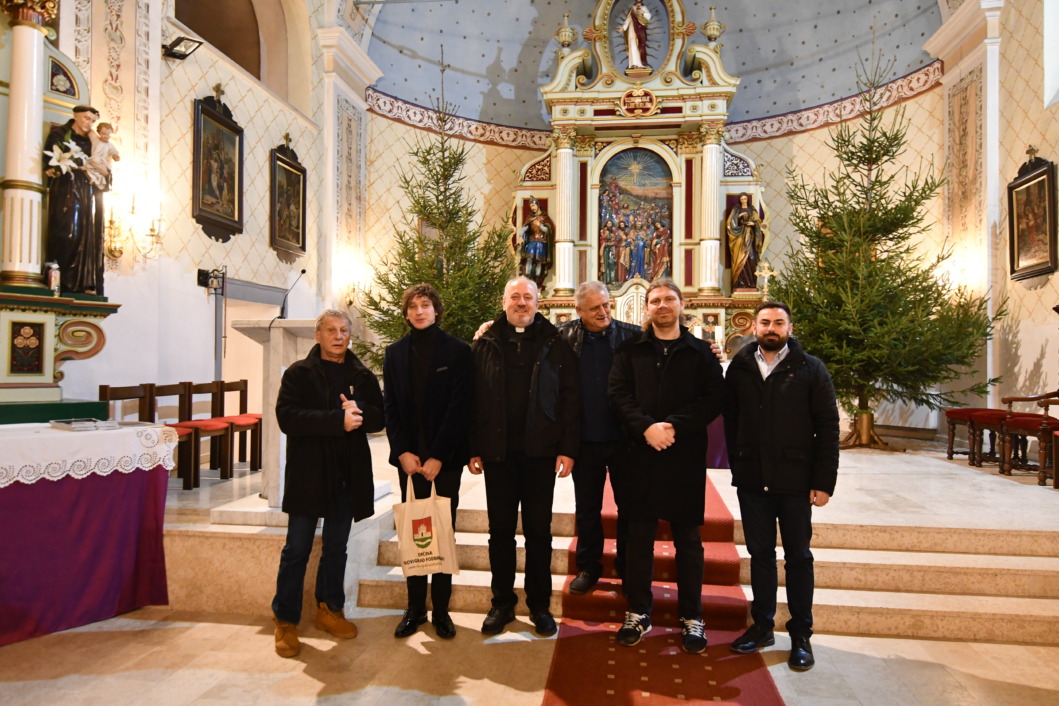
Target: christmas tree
[
  {"x": 866, "y": 301},
  {"x": 441, "y": 242}
]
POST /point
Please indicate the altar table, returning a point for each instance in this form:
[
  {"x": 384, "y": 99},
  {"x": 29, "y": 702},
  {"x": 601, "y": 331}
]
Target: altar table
[{"x": 81, "y": 516}]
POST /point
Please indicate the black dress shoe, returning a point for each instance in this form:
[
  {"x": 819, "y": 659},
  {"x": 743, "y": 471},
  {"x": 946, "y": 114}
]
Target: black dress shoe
[
  {"x": 496, "y": 620},
  {"x": 756, "y": 637},
  {"x": 443, "y": 625},
  {"x": 544, "y": 623},
  {"x": 410, "y": 622},
  {"x": 583, "y": 583},
  {"x": 801, "y": 659}
]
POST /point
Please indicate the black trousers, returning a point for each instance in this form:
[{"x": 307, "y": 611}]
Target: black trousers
[
  {"x": 639, "y": 565},
  {"x": 590, "y": 477},
  {"x": 331, "y": 572},
  {"x": 529, "y": 482},
  {"x": 760, "y": 513},
  {"x": 447, "y": 483}
]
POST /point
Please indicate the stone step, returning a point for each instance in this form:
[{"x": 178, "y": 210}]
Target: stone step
[
  {"x": 1033, "y": 621},
  {"x": 926, "y": 572}
]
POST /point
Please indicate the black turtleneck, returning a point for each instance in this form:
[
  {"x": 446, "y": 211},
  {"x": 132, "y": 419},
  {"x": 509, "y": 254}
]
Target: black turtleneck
[{"x": 423, "y": 343}]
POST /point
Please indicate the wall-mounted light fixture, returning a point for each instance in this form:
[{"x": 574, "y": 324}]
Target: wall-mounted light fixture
[
  {"x": 181, "y": 48},
  {"x": 215, "y": 280},
  {"x": 118, "y": 238}
]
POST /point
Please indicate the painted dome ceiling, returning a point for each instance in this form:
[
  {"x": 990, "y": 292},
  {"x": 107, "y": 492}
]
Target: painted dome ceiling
[{"x": 790, "y": 56}]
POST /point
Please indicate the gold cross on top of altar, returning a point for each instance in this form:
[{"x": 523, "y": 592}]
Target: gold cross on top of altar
[{"x": 766, "y": 271}]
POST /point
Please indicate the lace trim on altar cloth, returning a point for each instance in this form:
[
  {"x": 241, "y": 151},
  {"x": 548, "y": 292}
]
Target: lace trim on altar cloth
[{"x": 158, "y": 444}]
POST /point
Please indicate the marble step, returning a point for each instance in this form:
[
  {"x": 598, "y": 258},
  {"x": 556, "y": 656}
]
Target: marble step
[
  {"x": 1033, "y": 621},
  {"x": 924, "y": 572}
]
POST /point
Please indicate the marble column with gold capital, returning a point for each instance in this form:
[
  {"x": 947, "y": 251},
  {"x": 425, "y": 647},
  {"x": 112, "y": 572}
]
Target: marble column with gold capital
[
  {"x": 710, "y": 211},
  {"x": 565, "y": 210},
  {"x": 21, "y": 244}
]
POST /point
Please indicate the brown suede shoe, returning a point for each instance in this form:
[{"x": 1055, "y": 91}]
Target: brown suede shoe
[
  {"x": 334, "y": 622},
  {"x": 287, "y": 644}
]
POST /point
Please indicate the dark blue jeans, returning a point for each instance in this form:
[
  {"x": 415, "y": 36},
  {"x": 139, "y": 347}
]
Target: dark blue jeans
[
  {"x": 330, "y": 575},
  {"x": 590, "y": 477},
  {"x": 760, "y": 512}
]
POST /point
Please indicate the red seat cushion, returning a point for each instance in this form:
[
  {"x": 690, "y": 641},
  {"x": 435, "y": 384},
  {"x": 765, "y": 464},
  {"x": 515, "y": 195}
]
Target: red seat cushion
[
  {"x": 1031, "y": 424},
  {"x": 965, "y": 413},
  {"x": 240, "y": 419},
  {"x": 181, "y": 431},
  {"x": 204, "y": 424},
  {"x": 995, "y": 416}
]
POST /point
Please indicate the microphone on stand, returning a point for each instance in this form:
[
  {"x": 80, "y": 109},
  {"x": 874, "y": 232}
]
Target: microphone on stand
[{"x": 283, "y": 306}]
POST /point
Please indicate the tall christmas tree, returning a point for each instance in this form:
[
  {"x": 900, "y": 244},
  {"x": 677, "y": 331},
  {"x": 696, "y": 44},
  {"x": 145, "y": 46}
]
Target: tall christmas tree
[
  {"x": 882, "y": 316},
  {"x": 441, "y": 242}
]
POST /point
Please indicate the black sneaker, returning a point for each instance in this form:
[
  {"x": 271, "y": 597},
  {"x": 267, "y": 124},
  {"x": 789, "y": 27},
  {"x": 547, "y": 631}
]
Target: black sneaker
[
  {"x": 410, "y": 622},
  {"x": 755, "y": 637},
  {"x": 694, "y": 635},
  {"x": 544, "y": 623},
  {"x": 496, "y": 620},
  {"x": 583, "y": 583},
  {"x": 636, "y": 626}
]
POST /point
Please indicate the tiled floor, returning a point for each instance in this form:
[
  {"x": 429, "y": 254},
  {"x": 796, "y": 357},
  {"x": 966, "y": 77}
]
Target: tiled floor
[{"x": 157, "y": 656}]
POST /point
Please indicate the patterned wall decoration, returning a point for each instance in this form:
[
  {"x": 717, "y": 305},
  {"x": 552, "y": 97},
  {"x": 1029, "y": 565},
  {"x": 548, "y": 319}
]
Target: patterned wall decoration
[
  {"x": 541, "y": 170},
  {"x": 112, "y": 88},
  {"x": 736, "y": 166},
  {"x": 965, "y": 154},
  {"x": 901, "y": 89},
  {"x": 83, "y": 35},
  {"x": 144, "y": 56},
  {"x": 27, "y": 338},
  {"x": 349, "y": 167}
]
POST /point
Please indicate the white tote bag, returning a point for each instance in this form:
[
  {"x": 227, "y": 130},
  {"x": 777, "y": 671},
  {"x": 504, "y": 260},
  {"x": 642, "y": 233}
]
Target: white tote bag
[{"x": 425, "y": 537}]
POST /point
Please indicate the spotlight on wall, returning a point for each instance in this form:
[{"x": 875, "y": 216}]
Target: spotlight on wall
[{"x": 181, "y": 48}]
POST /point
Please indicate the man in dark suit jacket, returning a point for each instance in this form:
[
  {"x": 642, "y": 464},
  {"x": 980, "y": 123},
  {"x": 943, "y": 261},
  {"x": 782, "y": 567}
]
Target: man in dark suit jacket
[{"x": 427, "y": 396}]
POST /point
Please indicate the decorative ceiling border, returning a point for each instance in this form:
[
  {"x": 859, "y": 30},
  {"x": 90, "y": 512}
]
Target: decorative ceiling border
[{"x": 898, "y": 90}]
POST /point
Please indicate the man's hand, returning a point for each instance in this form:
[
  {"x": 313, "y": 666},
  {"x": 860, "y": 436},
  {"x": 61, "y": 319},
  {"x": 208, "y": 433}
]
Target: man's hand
[
  {"x": 475, "y": 465},
  {"x": 716, "y": 349},
  {"x": 431, "y": 469},
  {"x": 481, "y": 329},
  {"x": 563, "y": 466},
  {"x": 350, "y": 404},
  {"x": 410, "y": 463},
  {"x": 818, "y": 498},
  {"x": 660, "y": 436},
  {"x": 352, "y": 420}
]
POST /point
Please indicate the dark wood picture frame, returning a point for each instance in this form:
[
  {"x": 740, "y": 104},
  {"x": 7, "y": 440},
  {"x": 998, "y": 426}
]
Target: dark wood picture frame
[
  {"x": 286, "y": 201},
  {"x": 217, "y": 173},
  {"x": 1031, "y": 220}
]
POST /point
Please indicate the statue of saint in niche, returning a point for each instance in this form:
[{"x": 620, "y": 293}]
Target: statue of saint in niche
[
  {"x": 746, "y": 239},
  {"x": 634, "y": 30},
  {"x": 534, "y": 244}
]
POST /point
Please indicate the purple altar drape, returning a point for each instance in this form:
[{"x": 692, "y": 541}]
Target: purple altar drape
[{"x": 717, "y": 451}]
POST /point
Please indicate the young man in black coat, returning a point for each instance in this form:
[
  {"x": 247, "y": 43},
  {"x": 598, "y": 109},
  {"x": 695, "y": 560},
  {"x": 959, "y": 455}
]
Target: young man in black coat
[
  {"x": 525, "y": 431},
  {"x": 327, "y": 404},
  {"x": 781, "y": 425},
  {"x": 666, "y": 387},
  {"x": 429, "y": 377}
]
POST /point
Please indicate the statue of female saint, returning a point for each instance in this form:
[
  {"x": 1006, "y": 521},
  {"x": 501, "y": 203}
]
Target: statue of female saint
[
  {"x": 634, "y": 29},
  {"x": 535, "y": 243},
  {"x": 746, "y": 238}
]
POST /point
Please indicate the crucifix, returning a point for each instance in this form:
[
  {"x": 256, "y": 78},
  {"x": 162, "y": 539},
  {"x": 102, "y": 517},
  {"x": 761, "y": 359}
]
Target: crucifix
[
  {"x": 766, "y": 271},
  {"x": 218, "y": 92},
  {"x": 286, "y": 140}
]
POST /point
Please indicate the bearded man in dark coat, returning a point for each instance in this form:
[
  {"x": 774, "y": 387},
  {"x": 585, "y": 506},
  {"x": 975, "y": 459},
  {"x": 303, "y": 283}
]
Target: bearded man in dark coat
[
  {"x": 666, "y": 387},
  {"x": 328, "y": 403}
]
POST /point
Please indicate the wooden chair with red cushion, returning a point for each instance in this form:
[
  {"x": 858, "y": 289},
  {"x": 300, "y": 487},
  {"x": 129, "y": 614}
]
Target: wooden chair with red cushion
[
  {"x": 244, "y": 423},
  {"x": 187, "y": 437},
  {"x": 989, "y": 421},
  {"x": 218, "y": 432},
  {"x": 140, "y": 393},
  {"x": 961, "y": 416},
  {"x": 1018, "y": 428}
]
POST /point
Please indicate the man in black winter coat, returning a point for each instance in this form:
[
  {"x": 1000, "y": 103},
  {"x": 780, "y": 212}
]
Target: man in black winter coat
[
  {"x": 666, "y": 387},
  {"x": 525, "y": 431},
  {"x": 781, "y": 424},
  {"x": 327, "y": 404}
]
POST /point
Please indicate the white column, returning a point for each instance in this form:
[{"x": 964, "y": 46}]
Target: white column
[
  {"x": 21, "y": 253},
  {"x": 710, "y": 209},
  {"x": 565, "y": 211},
  {"x": 993, "y": 187}
]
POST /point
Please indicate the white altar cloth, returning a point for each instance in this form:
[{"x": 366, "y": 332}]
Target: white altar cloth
[{"x": 32, "y": 452}]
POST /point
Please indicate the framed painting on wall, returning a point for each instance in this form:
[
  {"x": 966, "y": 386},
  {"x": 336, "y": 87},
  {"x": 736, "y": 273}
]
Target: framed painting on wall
[
  {"x": 1031, "y": 220},
  {"x": 287, "y": 212},
  {"x": 217, "y": 173}
]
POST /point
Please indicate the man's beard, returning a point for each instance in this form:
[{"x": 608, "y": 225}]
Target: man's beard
[{"x": 772, "y": 342}]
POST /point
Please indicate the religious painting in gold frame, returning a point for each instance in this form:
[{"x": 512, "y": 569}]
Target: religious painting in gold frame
[{"x": 1031, "y": 220}]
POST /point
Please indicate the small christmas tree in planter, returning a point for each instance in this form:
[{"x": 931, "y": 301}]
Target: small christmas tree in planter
[
  {"x": 440, "y": 242},
  {"x": 888, "y": 324}
]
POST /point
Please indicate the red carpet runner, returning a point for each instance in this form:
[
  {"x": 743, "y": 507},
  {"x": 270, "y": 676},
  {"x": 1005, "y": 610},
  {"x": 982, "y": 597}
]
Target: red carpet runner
[{"x": 589, "y": 667}]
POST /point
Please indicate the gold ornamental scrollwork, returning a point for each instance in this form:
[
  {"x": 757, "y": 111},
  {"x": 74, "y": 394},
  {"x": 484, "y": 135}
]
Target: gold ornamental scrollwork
[
  {"x": 564, "y": 138},
  {"x": 638, "y": 102},
  {"x": 712, "y": 132},
  {"x": 686, "y": 29},
  {"x": 690, "y": 142},
  {"x": 34, "y": 12},
  {"x": 594, "y": 34},
  {"x": 584, "y": 145}
]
